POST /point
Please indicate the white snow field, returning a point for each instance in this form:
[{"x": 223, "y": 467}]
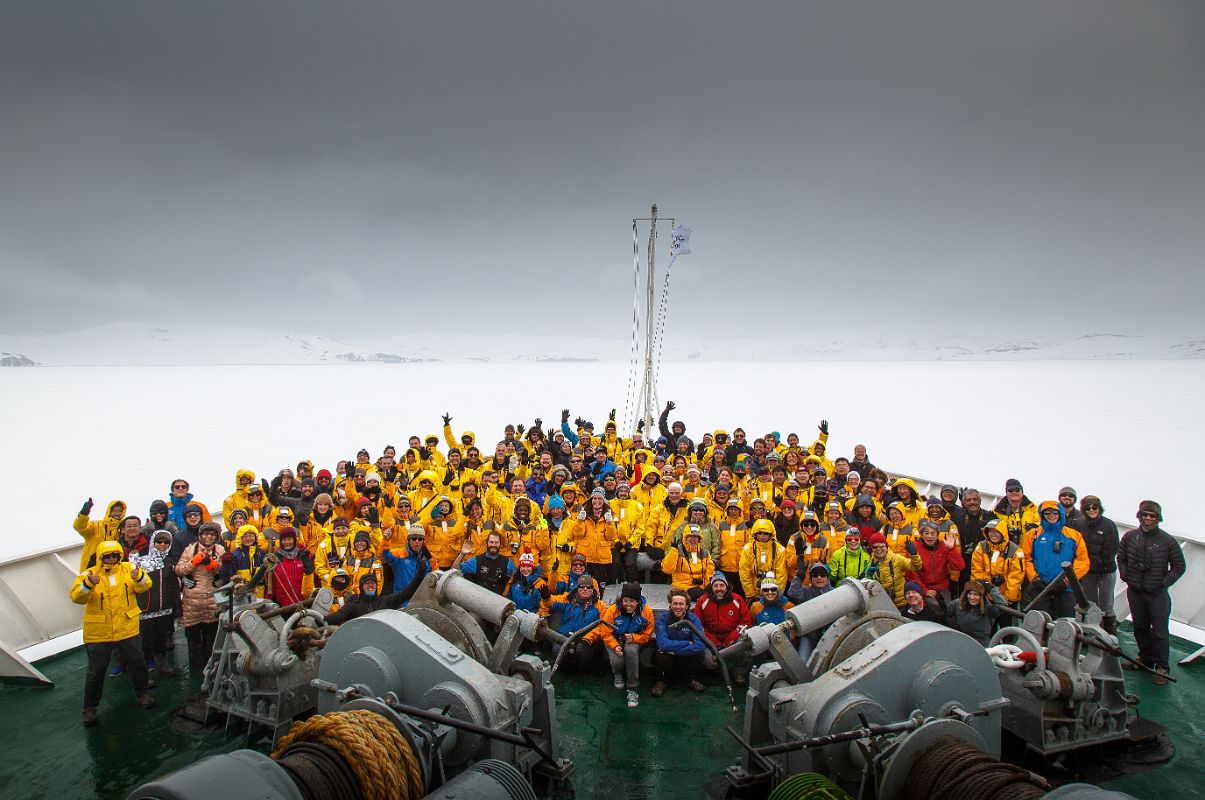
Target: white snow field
[{"x": 1124, "y": 430}]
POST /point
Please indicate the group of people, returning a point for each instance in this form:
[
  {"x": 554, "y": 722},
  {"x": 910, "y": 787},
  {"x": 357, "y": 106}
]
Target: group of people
[{"x": 739, "y": 528}]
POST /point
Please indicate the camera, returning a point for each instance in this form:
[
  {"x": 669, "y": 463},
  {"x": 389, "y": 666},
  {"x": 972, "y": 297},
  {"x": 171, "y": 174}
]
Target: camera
[
  {"x": 997, "y": 580},
  {"x": 514, "y": 547}
]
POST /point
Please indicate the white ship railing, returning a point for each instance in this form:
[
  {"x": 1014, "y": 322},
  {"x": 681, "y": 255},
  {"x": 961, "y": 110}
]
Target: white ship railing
[{"x": 38, "y": 619}]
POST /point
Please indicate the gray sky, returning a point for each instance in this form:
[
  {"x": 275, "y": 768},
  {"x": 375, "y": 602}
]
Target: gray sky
[{"x": 286, "y": 165}]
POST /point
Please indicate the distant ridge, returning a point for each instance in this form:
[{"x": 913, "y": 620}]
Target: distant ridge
[{"x": 138, "y": 344}]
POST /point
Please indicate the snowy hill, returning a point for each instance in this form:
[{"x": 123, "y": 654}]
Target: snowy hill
[{"x": 136, "y": 344}]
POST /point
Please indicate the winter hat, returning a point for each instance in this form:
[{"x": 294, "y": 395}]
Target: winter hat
[
  {"x": 308, "y": 482},
  {"x": 863, "y": 500},
  {"x": 323, "y": 473},
  {"x": 699, "y": 503},
  {"x": 1068, "y": 490},
  {"x": 585, "y": 579},
  {"x": 718, "y": 576},
  {"x": 372, "y": 477},
  {"x": 1151, "y": 506},
  {"x": 599, "y": 492},
  {"x": 417, "y": 530},
  {"x": 769, "y": 582},
  {"x": 161, "y": 535},
  {"x": 876, "y": 538},
  {"x": 556, "y": 502},
  {"x": 362, "y": 536},
  {"x": 209, "y": 527},
  {"x": 809, "y": 516},
  {"x": 852, "y": 533},
  {"x": 363, "y": 501},
  {"x": 528, "y": 559},
  {"x": 1013, "y": 484},
  {"x": 340, "y": 522},
  {"x": 630, "y": 590},
  {"x": 158, "y": 507},
  {"x": 367, "y": 577},
  {"x": 726, "y": 487},
  {"x": 287, "y": 532},
  {"x": 192, "y": 508},
  {"x": 928, "y": 524},
  {"x": 913, "y": 586},
  {"x": 818, "y": 569},
  {"x": 578, "y": 558},
  {"x": 932, "y": 502},
  {"x": 949, "y": 487},
  {"x": 238, "y": 512},
  {"x": 623, "y": 485},
  {"x": 785, "y": 504},
  {"x": 1091, "y": 500},
  {"x": 693, "y": 468}
]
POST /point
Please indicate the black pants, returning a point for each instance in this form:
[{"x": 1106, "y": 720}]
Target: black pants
[
  {"x": 734, "y": 582},
  {"x": 656, "y": 554},
  {"x": 156, "y": 633},
  {"x": 200, "y": 643},
  {"x": 99, "y": 654},
  {"x": 1150, "y": 613},
  {"x": 582, "y": 658},
  {"x": 1058, "y": 604},
  {"x": 672, "y": 668},
  {"x": 600, "y": 573}
]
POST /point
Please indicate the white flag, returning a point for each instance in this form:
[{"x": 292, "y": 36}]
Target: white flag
[{"x": 680, "y": 246}]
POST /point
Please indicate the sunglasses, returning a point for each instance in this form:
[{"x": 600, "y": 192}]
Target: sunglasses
[
  {"x": 1091, "y": 508},
  {"x": 107, "y": 556},
  {"x": 1148, "y": 514},
  {"x": 180, "y": 486},
  {"x": 416, "y": 538},
  {"x": 193, "y": 514}
]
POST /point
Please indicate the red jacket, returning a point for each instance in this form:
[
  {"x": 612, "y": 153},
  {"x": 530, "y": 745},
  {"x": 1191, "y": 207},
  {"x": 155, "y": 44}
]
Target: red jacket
[
  {"x": 722, "y": 622},
  {"x": 936, "y": 565},
  {"x": 292, "y": 579}
]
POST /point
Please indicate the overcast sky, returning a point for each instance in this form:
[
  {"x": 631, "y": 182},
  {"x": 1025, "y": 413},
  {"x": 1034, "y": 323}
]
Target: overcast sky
[{"x": 349, "y": 166}]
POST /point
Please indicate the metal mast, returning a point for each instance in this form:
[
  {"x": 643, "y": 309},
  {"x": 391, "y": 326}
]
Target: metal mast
[{"x": 650, "y": 403}]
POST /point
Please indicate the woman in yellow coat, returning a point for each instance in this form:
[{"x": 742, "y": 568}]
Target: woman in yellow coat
[
  {"x": 760, "y": 557},
  {"x": 105, "y": 529},
  {"x": 108, "y": 592},
  {"x": 445, "y": 534},
  {"x": 998, "y": 562},
  {"x": 594, "y": 534},
  {"x": 688, "y": 565}
]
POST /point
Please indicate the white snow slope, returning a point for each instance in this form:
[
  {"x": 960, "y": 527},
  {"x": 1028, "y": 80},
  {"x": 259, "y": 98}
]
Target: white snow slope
[
  {"x": 1124, "y": 430},
  {"x": 136, "y": 344}
]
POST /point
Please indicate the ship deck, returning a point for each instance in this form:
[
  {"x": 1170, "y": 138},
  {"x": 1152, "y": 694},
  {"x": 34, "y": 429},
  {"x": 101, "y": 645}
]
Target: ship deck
[{"x": 667, "y": 748}]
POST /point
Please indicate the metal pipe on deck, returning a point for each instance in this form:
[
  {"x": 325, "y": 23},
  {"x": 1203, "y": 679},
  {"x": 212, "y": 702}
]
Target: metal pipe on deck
[{"x": 458, "y": 590}]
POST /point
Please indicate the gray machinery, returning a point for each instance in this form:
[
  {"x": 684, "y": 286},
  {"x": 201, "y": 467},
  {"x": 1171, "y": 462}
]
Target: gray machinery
[
  {"x": 475, "y": 719},
  {"x": 1069, "y": 692},
  {"x": 265, "y": 656},
  {"x": 874, "y": 694}
]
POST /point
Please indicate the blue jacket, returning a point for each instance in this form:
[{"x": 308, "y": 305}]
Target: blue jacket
[
  {"x": 405, "y": 567},
  {"x": 767, "y": 613},
  {"x": 569, "y": 434},
  {"x": 525, "y": 592},
  {"x": 630, "y": 623},
  {"x": 175, "y": 509},
  {"x": 537, "y": 490},
  {"x": 1051, "y": 547},
  {"x": 600, "y": 472},
  {"x": 678, "y": 641},
  {"x": 574, "y": 615}
]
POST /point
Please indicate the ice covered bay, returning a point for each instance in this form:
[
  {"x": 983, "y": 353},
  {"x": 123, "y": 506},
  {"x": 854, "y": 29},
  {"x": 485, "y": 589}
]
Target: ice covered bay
[{"x": 1124, "y": 430}]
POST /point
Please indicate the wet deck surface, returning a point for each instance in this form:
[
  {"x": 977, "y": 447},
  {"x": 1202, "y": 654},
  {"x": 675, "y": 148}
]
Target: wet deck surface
[{"x": 666, "y": 748}]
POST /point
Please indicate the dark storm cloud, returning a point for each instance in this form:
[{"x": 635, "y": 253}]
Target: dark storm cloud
[{"x": 284, "y": 164}]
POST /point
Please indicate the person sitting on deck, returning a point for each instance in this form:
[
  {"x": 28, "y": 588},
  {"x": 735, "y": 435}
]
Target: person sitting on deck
[{"x": 679, "y": 649}]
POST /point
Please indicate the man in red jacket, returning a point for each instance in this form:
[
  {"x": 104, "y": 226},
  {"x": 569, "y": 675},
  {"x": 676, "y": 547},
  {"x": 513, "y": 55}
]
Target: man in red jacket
[
  {"x": 724, "y": 616},
  {"x": 938, "y": 557}
]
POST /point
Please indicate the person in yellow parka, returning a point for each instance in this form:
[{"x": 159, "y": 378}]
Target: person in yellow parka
[
  {"x": 594, "y": 534},
  {"x": 807, "y": 547},
  {"x": 526, "y": 533},
  {"x": 663, "y": 518},
  {"x": 108, "y": 592},
  {"x": 898, "y": 531},
  {"x": 238, "y": 499},
  {"x": 259, "y": 510},
  {"x": 761, "y": 556},
  {"x": 998, "y": 562},
  {"x": 467, "y": 439},
  {"x": 445, "y": 534},
  {"x": 94, "y": 532},
  {"x": 912, "y": 504},
  {"x": 733, "y": 536},
  {"x": 649, "y": 492},
  {"x": 891, "y": 569},
  {"x": 424, "y": 494},
  {"x": 476, "y": 526},
  {"x": 688, "y": 565},
  {"x": 629, "y": 529}
]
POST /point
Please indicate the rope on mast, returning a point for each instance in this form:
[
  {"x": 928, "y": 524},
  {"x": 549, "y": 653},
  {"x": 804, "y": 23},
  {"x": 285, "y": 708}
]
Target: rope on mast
[
  {"x": 630, "y": 395},
  {"x": 662, "y": 313}
]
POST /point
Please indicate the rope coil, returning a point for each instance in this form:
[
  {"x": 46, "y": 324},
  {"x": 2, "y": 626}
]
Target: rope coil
[
  {"x": 953, "y": 770},
  {"x": 371, "y": 747}
]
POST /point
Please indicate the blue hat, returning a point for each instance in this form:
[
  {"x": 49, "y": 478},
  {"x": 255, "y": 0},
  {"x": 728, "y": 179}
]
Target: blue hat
[
  {"x": 913, "y": 586},
  {"x": 718, "y": 576},
  {"x": 555, "y": 502}
]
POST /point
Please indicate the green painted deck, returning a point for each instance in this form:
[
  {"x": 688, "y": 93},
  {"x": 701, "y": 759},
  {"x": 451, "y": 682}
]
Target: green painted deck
[{"x": 667, "y": 748}]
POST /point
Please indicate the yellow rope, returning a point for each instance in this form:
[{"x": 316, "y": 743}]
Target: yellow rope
[{"x": 381, "y": 758}]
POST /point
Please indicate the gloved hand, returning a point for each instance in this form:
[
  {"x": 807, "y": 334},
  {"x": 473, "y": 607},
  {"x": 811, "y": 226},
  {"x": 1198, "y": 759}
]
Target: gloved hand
[
  {"x": 519, "y": 429},
  {"x": 608, "y": 516},
  {"x": 823, "y": 426},
  {"x": 424, "y": 453},
  {"x": 997, "y": 580},
  {"x": 447, "y": 419},
  {"x": 189, "y": 582},
  {"x": 374, "y": 516},
  {"x": 1037, "y": 585},
  {"x": 577, "y": 422},
  {"x": 449, "y": 474},
  {"x": 671, "y": 405},
  {"x": 640, "y": 425},
  {"x": 564, "y": 415},
  {"x": 198, "y": 558},
  {"x": 263, "y": 482},
  {"x": 340, "y": 582},
  {"x": 611, "y": 416},
  {"x": 513, "y": 463},
  {"x": 210, "y": 564},
  {"x": 422, "y": 564},
  {"x": 537, "y": 423},
  {"x": 86, "y": 508},
  {"x": 387, "y": 500},
  {"x": 872, "y": 570},
  {"x": 349, "y": 469},
  {"x": 581, "y": 515},
  {"x": 910, "y": 546},
  {"x": 696, "y": 581},
  {"x": 550, "y": 433},
  {"x": 544, "y": 593}
]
